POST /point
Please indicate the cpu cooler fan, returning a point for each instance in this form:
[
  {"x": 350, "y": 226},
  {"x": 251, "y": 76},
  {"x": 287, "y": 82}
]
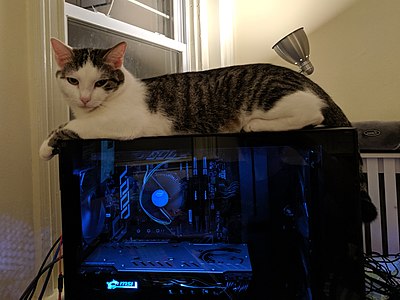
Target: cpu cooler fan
[{"x": 161, "y": 195}]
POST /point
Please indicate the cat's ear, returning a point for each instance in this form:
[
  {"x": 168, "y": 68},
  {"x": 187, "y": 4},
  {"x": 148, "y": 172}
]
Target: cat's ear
[
  {"x": 115, "y": 56},
  {"x": 62, "y": 52}
]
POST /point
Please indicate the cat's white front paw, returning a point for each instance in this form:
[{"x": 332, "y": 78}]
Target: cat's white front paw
[{"x": 46, "y": 151}]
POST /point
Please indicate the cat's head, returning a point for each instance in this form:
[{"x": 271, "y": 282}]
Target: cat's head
[{"x": 87, "y": 77}]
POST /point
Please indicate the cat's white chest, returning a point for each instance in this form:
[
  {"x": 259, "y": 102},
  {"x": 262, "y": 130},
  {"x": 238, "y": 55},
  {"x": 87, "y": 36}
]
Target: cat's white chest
[{"x": 121, "y": 122}]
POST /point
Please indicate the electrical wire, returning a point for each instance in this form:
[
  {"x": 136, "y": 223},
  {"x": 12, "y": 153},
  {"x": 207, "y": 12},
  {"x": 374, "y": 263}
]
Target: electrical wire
[
  {"x": 382, "y": 275},
  {"x": 31, "y": 288},
  {"x": 60, "y": 273},
  {"x": 49, "y": 272}
]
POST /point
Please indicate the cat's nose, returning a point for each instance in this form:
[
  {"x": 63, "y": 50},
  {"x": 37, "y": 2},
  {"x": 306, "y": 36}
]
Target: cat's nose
[{"x": 85, "y": 99}]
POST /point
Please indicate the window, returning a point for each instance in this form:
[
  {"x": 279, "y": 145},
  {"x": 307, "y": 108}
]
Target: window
[
  {"x": 152, "y": 15},
  {"x": 153, "y": 30}
]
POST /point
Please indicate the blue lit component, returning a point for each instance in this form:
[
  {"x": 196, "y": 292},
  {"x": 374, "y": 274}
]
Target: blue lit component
[
  {"x": 190, "y": 216},
  {"x": 115, "y": 284},
  {"x": 159, "y": 198},
  {"x": 124, "y": 195},
  {"x": 194, "y": 166},
  {"x": 205, "y": 171}
]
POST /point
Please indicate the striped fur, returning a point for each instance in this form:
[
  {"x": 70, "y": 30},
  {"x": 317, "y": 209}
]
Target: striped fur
[
  {"x": 209, "y": 101},
  {"x": 108, "y": 102}
]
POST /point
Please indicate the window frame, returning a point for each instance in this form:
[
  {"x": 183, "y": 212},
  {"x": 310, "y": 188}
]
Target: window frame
[{"x": 109, "y": 24}]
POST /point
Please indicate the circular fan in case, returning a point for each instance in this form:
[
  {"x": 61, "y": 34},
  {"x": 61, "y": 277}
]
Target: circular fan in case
[{"x": 161, "y": 196}]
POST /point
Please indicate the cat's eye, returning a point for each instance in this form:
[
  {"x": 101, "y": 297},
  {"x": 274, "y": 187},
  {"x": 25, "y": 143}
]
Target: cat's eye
[
  {"x": 100, "y": 83},
  {"x": 72, "y": 81}
]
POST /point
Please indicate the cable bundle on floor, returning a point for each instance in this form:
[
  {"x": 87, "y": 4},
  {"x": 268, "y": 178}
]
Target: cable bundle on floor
[{"x": 382, "y": 276}]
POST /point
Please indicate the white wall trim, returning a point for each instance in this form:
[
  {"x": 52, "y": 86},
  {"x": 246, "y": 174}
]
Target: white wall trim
[
  {"x": 203, "y": 33},
  {"x": 226, "y": 31},
  {"x": 194, "y": 35},
  {"x": 212, "y": 18},
  {"x": 45, "y": 19}
]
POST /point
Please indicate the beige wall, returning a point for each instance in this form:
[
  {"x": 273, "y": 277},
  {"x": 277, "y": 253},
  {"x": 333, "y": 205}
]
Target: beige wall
[
  {"x": 16, "y": 212},
  {"x": 355, "y": 55},
  {"x": 363, "y": 78}
]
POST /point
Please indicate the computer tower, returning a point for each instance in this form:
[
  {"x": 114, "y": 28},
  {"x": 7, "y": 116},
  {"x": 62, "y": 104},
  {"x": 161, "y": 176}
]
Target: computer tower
[{"x": 266, "y": 215}]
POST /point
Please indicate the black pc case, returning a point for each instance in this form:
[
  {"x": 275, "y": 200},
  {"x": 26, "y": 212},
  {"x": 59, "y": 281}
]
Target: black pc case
[{"x": 268, "y": 215}]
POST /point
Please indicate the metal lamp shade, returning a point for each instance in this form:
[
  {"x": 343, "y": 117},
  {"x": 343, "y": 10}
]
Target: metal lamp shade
[{"x": 294, "y": 48}]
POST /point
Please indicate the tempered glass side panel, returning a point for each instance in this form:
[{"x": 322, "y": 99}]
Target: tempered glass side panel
[
  {"x": 289, "y": 200},
  {"x": 176, "y": 195}
]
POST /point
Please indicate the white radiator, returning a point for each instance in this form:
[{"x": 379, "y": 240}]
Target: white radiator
[{"x": 383, "y": 175}]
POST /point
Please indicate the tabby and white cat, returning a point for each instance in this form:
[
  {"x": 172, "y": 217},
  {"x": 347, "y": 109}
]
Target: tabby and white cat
[{"x": 109, "y": 102}]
